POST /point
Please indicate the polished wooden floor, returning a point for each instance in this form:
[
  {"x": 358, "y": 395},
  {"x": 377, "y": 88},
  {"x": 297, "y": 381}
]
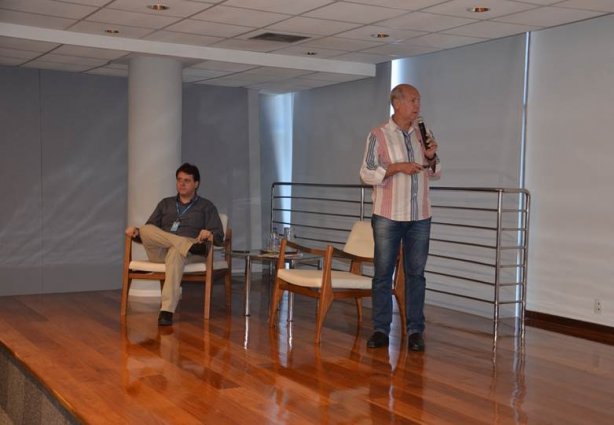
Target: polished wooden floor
[{"x": 234, "y": 370}]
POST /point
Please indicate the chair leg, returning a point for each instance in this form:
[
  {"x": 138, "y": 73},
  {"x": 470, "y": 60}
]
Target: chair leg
[
  {"x": 207, "y": 297},
  {"x": 126, "y": 281},
  {"x": 358, "y": 308},
  {"x": 228, "y": 288},
  {"x": 275, "y": 300},
  {"x": 326, "y": 299}
]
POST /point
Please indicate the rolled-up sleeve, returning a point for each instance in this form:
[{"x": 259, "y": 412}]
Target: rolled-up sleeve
[{"x": 371, "y": 172}]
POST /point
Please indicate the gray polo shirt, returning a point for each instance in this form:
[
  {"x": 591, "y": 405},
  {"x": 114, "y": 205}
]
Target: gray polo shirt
[{"x": 193, "y": 217}]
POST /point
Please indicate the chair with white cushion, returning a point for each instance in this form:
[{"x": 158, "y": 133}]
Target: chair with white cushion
[
  {"x": 327, "y": 284},
  {"x": 216, "y": 263}
]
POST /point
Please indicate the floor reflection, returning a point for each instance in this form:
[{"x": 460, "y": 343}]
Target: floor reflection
[
  {"x": 338, "y": 378},
  {"x": 329, "y": 378},
  {"x": 159, "y": 356},
  {"x": 234, "y": 370},
  {"x": 507, "y": 388}
]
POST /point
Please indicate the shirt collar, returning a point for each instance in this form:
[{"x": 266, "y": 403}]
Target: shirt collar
[
  {"x": 194, "y": 199},
  {"x": 395, "y": 126}
]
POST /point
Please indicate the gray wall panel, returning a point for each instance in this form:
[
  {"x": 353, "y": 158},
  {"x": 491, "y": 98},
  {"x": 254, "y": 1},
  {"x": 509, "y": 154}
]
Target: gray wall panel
[
  {"x": 331, "y": 126},
  {"x": 472, "y": 100},
  {"x": 63, "y": 165},
  {"x": 215, "y": 138},
  {"x": 84, "y": 149},
  {"x": 20, "y": 188}
]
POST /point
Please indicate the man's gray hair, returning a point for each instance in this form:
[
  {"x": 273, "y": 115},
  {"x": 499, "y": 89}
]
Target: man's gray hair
[{"x": 397, "y": 93}]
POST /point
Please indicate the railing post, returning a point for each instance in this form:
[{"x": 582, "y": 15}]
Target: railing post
[
  {"x": 497, "y": 263},
  {"x": 523, "y": 291},
  {"x": 272, "y": 207}
]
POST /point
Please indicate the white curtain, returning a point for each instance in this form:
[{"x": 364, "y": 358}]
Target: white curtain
[{"x": 569, "y": 155}]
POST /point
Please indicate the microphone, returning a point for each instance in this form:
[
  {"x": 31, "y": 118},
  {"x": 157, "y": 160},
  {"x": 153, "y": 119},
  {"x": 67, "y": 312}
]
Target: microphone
[
  {"x": 422, "y": 128},
  {"x": 425, "y": 138}
]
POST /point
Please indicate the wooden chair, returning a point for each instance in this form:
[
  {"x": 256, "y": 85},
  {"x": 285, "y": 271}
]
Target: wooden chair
[
  {"x": 327, "y": 284},
  {"x": 216, "y": 263}
]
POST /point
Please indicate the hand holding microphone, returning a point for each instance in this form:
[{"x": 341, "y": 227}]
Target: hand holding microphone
[
  {"x": 423, "y": 133},
  {"x": 430, "y": 145}
]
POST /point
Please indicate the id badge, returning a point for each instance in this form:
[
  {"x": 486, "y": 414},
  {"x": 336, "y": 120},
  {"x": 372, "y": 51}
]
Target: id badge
[{"x": 175, "y": 226}]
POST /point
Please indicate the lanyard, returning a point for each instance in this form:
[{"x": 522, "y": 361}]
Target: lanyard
[{"x": 192, "y": 202}]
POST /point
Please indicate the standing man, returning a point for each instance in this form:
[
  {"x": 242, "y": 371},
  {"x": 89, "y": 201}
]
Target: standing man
[
  {"x": 175, "y": 232},
  {"x": 399, "y": 163}
]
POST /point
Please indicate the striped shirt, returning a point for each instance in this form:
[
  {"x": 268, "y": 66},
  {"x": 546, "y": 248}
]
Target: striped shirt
[{"x": 400, "y": 197}]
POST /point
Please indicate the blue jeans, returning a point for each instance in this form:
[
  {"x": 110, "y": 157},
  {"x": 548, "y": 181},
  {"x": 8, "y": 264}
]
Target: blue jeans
[{"x": 388, "y": 235}]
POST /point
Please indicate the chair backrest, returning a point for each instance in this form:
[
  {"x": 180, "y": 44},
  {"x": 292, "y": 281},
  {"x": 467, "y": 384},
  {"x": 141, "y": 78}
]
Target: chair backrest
[
  {"x": 360, "y": 241},
  {"x": 224, "y": 219}
]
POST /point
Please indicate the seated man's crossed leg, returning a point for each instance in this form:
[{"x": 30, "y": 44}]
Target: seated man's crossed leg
[{"x": 174, "y": 252}]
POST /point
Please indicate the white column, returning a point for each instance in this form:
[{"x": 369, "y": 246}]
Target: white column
[{"x": 154, "y": 138}]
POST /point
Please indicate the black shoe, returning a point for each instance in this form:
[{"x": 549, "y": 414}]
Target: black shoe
[
  {"x": 165, "y": 318},
  {"x": 378, "y": 339},
  {"x": 199, "y": 249},
  {"x": 416, "y": 342}
]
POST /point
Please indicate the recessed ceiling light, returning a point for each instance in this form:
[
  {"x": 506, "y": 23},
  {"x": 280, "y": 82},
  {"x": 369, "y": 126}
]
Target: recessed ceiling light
[
  {"x": 478, "y": 9},
  {"x": 310, "y": 53},
  {"x": 158, "y": 6},
  {"x": 380, "y": 35},
  {"x": 111, "y": 31}
]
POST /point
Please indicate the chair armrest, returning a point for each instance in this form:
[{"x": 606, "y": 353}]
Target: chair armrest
[
  {"x": 127, "y": 254},
  {"x": 302, "y": 248},
  {"x": 318, "y": 252},
  {"x": 128, "y": 247}
]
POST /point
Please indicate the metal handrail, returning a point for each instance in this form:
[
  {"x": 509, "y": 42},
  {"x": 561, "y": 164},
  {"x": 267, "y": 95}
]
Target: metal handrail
[{"x": 320, "y": 217}]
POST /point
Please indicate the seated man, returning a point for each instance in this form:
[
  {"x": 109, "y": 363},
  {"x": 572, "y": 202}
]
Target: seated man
[{"x": 174, "y": 233}]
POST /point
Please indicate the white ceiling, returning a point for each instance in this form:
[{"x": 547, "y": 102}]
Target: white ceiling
[{"x": 212, "y": 37}]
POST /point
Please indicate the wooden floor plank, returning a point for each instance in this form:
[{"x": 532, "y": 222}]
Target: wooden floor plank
[{"x": 234, "y": 369}]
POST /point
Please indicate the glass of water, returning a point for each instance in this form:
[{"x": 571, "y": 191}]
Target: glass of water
[{"x": 288, "y": 233}]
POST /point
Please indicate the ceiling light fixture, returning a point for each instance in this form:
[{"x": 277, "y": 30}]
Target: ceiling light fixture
[
  {"x": 158, "y": 6},
  {"x": 478, "y": 9},
  {"x": 282, "y": 38},
  {"x": 380, "y": 35},
  {"x": 111, "y": 31}
]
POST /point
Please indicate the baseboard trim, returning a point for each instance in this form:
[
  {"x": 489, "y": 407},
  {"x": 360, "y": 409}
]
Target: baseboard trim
[{"x": 573, "y": 327}]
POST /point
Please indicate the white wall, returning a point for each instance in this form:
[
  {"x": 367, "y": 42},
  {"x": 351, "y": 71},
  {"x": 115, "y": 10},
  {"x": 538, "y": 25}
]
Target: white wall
[{"x": 569, "y": 171}]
